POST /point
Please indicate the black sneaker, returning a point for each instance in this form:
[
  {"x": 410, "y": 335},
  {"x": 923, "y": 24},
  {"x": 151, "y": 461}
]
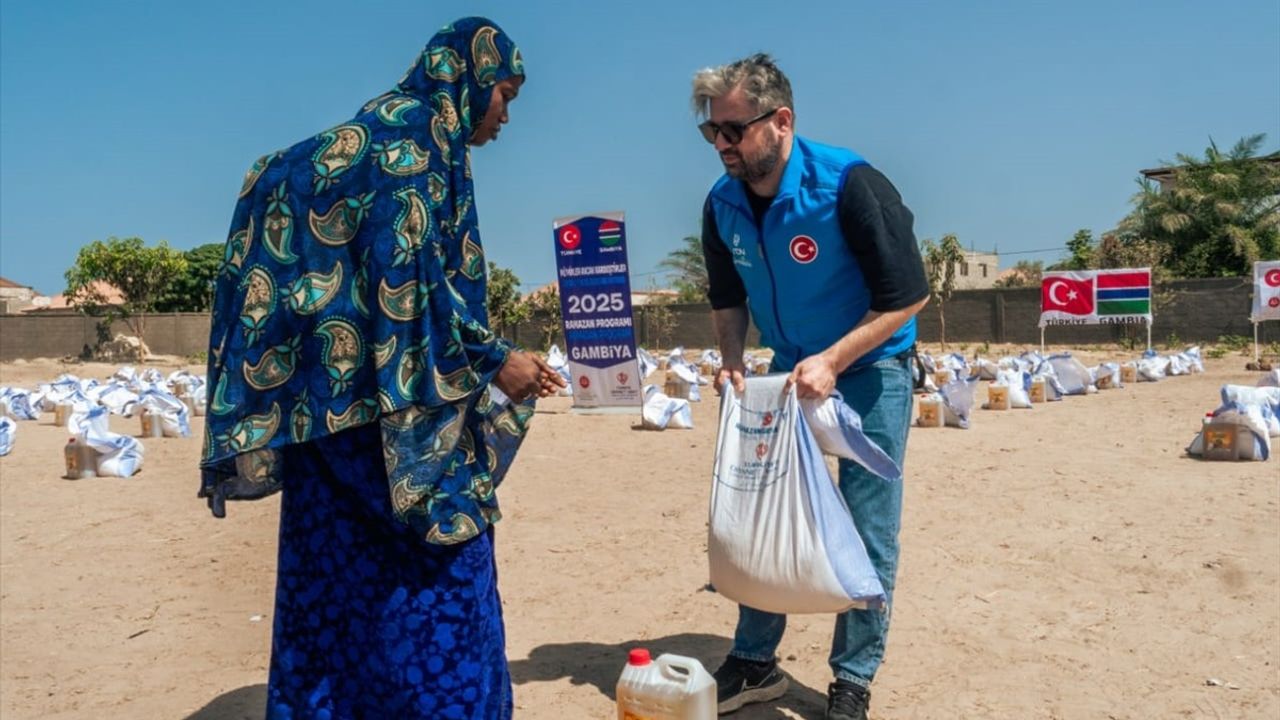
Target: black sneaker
[
  {"x": 741, "y": 682},
  {"x": 847, "y": 701}
]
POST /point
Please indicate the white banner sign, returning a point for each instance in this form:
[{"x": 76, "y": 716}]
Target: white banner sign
[
  {"x": 595, "y": 304},
  {"x": 1096, "y": 297},
  {"x": 1266, "y": 291}
]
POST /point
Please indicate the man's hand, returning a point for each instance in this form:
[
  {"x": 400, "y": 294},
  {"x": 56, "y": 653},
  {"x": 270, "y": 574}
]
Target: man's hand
[
  {"x": 525, "y": 375},
  {"x": 814, "y": 377},
  {"x": 551, "y": 381},
  {"x": 732, "y": 373}
]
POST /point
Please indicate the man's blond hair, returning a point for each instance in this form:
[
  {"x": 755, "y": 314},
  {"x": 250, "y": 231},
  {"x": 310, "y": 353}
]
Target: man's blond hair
[{"x": 757, "y": 76}]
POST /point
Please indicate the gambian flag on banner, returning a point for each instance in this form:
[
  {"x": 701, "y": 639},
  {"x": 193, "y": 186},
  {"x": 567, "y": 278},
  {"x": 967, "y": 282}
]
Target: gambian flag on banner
[
  {"x": 610, "y": 233},
  {"x": 1124, "y": 295}
]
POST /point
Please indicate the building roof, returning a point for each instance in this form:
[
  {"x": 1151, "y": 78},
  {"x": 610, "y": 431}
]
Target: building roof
[
  {"x": 552, "y": 286},
  {"x": 7, "y": 283},
  {"x": 61, "y": 302},
  {"x": 650, "y": 297},
  {"x": 1164, "y": 174}
]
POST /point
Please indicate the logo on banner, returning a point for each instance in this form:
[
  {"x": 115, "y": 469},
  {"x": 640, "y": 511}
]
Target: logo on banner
[
  {"x": 803, "y": 249},
  {"x": 1266, "y": 291},
  {"x": 610, "y": 233},
  {"x": 584, "y": 381},
  {"x": 623, "y": 378},
  {"x": 570, "y": 237},
  {"x": 768, "y": 419},
  {"x": 761, "y": 450},
  {"x": 1073, "y": 297}
]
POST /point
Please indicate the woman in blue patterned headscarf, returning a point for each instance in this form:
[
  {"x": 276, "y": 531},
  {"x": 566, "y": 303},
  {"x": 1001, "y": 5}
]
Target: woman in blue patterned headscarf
[{"x": 351, "y": 362}]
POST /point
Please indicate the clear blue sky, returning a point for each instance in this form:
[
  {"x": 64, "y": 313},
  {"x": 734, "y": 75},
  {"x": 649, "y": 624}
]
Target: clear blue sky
[{"x": 1009, "y": 123}]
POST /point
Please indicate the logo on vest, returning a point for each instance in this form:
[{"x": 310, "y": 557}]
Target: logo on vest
[
  {"x": 739, "y": 255},
  {"x": 803, "y": 249}
]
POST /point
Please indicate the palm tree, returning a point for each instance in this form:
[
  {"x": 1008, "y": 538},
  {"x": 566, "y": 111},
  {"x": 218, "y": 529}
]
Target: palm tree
[
  {"x": 941, "y": 261},
  {"x": 1219, "y": 213},
  {"x": 690, "y": 269}
]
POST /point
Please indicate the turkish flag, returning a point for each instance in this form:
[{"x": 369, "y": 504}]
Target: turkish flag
[{"x": 1066, "y": 295}]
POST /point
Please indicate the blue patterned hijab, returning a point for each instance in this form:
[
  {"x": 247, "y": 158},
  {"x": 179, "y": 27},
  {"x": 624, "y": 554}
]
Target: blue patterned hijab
[{"x": 353, "y": 291}]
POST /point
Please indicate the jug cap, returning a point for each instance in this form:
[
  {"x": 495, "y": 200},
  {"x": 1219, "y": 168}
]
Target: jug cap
[{"x": 638, "y": 656}]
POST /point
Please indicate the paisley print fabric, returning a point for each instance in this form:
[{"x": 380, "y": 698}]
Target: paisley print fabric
[
  {"x": 371, "y": 620},
  {"x": 353, "y": 291}
]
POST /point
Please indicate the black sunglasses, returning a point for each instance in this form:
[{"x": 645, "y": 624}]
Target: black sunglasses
[{"x": 731, "y": 130}]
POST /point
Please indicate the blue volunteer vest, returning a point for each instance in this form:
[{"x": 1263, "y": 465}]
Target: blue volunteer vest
[{"x": 805, "y": 288}]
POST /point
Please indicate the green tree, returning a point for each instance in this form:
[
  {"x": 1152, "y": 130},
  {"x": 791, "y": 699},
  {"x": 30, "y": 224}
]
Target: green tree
[
  {"x": 1219, "y": 214},
  {"x": 141, "y": 274},
  {"x": 545, "y": 309},
  {"x": 941, "y": 261},
  {"x": 1121, "y": 249},
  {"x": 660, "y": 322},
  {"x": 1026, "y": 273},
  {"x": 1080, "y": 251},
  {"x": 689, "y": 268},
  {"x": 192, "y": 291},
  {"x": 506, "y": 311}
]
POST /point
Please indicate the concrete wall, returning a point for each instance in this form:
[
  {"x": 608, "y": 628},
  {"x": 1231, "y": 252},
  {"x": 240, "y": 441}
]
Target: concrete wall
[
  {"x": 689, "y": 325},
  {"x": 1190, "y": 310},
  {"x": 57, "y": 334}
]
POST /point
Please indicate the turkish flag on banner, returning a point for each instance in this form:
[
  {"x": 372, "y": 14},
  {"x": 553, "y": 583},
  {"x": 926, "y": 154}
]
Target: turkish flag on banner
[{"x": 1065, "y": 294}]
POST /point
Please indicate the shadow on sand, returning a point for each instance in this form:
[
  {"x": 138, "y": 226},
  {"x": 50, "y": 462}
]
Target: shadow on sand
[
  {"x": 583, "y": 663},
  {"x": 246, "y": 703},
  {"x": 598, "y": 664}
]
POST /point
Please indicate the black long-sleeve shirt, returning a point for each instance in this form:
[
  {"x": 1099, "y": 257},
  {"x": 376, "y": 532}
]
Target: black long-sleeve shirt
[{"x": 877, "y": 227}]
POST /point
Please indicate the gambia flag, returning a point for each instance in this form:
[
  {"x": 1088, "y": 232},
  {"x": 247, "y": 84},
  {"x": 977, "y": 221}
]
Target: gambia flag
[
  {"x": 1123, "y": 292},
  {"x": 610, "y": 233}
]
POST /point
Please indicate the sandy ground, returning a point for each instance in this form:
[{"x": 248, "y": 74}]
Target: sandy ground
[{"x": 1062, "y": 562}]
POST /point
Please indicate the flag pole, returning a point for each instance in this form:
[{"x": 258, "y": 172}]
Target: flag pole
[
  {"x": 1257, "y": 358},
  {"x": 1042, "y": 339},
  {"x": 1148, "y": 334}
]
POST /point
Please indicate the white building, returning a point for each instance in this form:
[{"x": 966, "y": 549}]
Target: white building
[
  {"x": 15, "y": 297},
  {"x": 978, "y": 270}
]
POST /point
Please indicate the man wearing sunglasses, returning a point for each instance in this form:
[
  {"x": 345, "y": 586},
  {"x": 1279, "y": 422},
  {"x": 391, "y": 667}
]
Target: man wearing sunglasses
[{"x": 816, "y": 247}]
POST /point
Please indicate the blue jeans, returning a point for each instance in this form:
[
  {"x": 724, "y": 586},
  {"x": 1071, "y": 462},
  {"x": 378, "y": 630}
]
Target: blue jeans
[{"x": 881, "y": 394}]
